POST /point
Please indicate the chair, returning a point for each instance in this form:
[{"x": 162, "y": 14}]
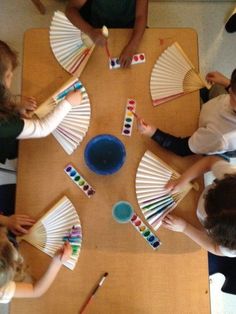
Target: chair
[{"x": 225, "y": 266}]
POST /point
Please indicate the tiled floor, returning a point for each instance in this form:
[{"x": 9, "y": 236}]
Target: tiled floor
[{"x": 216, "y": 51}]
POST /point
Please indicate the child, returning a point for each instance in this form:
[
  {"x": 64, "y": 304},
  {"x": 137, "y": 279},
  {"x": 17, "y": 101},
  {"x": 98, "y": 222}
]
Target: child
[
  {"x": 88, "y": 15},
  {"x": 15, "y": 123},
  {"x": 216, "y": 133},
  {"x": 11, "y": 267},
  {"x": 216, "y": 208}
]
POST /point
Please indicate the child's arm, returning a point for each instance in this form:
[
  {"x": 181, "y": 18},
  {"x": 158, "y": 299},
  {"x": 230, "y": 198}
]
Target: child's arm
[
  {"x": 196, "y": 170},
  {"x": 35, "y": 128},
  {"x": 27, "y": 290},
  {"x": 178, "y": 224},
  {"x": 130, "y": 49},
  {"x": 72, "y": 13},
  {"x": 217, "y": 78},
  {"x": 17, "y": 223}
]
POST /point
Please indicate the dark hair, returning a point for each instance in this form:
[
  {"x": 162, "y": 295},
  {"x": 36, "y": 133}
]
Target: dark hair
[
  {"x": 8, "y": 105},
  {"x": 233, "y": 81},
  {"x": 220, "y": 206}
]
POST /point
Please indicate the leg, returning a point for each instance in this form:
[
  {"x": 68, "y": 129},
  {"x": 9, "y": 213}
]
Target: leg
[
  {"x": 7, "y": 199},
  {"x": 177, "y": 145},
  {"x": 226, "y": 266}
]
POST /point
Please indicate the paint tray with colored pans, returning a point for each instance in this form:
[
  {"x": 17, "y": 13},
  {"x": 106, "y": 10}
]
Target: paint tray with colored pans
[
  {"x": 174, "y": 75},
  {"x": 49, "y": 232},
  {"x": 145, "y": 232},
  {"x": 73, "y": 128},
  {"x": 151, "y": 177},
  {"x": 129, "y": 118},
  {"x": 114, "y": 63},
  {"x": 70, "y": 46},
  {"x": 79, "y": 180}
]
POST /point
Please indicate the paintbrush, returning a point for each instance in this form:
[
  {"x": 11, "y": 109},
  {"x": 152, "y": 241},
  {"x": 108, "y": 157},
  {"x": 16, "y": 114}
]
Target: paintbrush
[{"x": 138, "y": 117}]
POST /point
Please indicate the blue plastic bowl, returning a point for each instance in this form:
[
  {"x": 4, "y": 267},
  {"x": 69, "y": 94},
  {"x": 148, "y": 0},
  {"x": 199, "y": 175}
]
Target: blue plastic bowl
[{"x": 105, "y": 154}]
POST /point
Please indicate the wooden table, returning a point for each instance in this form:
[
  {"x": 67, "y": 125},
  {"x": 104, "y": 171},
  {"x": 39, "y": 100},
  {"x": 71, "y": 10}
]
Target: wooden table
[{"x": 173, "y": 279}]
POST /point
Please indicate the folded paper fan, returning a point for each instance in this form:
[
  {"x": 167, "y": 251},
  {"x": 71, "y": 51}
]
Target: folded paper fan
[
  {"x": 71, "y": 47},
  {"x": 71, "y": 131},
  {"x": 151, "y": 177},
  {"x": 61, "y": 223},
  {"x": 174, "y": 75}
]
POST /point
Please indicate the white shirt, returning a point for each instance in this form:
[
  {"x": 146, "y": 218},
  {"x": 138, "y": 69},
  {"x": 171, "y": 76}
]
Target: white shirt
[
  {"x": 34, "y": 128},
  {"x": 7, "y": 292},
  {"x": 219, "y": 169},
  {"x": 217, "y": 128}
]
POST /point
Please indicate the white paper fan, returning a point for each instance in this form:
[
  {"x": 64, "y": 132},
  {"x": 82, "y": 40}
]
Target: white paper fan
[
  {"x": 71, "y": 131},
  {"x": 71, "y": 47},
  {"x": 174, "y": 75},
  {"x": 50, "y": 232},
  {"x": 151, "y": 177}
]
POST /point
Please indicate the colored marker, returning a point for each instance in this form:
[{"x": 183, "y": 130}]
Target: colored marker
[
  {"x": 93, "y": 292},
  {"x": 76, "y": 85}
]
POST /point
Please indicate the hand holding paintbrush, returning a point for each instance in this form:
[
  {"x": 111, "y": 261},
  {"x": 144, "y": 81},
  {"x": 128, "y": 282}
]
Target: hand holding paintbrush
[{"x": 143, "y": 127}]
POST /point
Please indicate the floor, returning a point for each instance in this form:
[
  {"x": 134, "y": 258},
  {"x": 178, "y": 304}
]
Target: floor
[{"x": 216, "y": 52}]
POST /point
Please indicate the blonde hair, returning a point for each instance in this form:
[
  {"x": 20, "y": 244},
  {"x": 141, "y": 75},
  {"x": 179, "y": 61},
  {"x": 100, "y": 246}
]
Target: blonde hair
[
  {"x": 8, "y": 105},
  {"x": 11, "y": 263}
]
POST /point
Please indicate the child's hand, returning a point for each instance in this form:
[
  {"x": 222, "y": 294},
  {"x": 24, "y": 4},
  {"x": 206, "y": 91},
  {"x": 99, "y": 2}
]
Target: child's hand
[
  {"x": 64, "y": 253},
  {"x": 27, "y": 106},
  {"x": 144, "y": 128},
  {"x": 74, "y": 98},
  {"x": 174, "y": 223},
  {"x": 16, "y": 223},
  {"x": 173, "y": 186},
  {"x": 29, "y": 103},
  {"x": 97, "y": 37},
  {"x": 217, "y": 78},
  {"x": 126, "y": 56}
]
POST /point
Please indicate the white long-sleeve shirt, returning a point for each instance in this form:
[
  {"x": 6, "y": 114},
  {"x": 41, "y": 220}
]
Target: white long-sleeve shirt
[
  {"x": 217, "y": 128},
  {"x": 35, "y": 128}
]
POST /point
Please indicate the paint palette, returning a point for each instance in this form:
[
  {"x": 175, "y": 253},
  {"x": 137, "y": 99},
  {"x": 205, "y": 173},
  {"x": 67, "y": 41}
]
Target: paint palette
[
  {"x": 79, "y": 180},
  {"x": 145, "y": 232},
  {"x": 114, "y": 63},
  {"x": 129, "y": 118}
]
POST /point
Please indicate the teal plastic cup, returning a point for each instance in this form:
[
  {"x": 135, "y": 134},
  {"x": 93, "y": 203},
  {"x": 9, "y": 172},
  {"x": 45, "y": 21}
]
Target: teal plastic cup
[{"x": 122, "y": 211}]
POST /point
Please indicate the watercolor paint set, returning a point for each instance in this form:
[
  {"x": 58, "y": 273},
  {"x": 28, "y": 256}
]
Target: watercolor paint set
[
  {"x": 79, "y": 180},
  {"x": 114, "y": 63},
  {"x": 145, "y": 232},
  {"x": 129, "y": 118}
]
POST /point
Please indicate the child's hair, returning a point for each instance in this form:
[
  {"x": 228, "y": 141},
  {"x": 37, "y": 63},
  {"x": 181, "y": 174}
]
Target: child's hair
[
  {"x": 8, "y": 57},
  {"x": 233, "y": 81},
  {"x": 220, "y": 206},
  {"x": 11, "y": 263}
]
